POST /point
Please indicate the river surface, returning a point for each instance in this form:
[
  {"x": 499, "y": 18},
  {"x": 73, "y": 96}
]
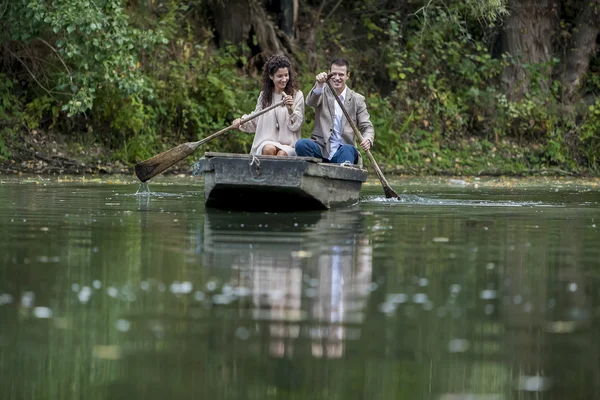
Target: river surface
[{"x": 464, "y": 290}]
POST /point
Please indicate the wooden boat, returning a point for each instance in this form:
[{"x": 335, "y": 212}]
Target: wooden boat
[{"x": 270, "y": 183}]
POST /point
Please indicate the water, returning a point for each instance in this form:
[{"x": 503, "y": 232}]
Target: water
[{"x": 108, "y": 291}]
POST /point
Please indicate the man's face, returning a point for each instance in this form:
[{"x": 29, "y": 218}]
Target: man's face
[{"x": 339, "y": 76}]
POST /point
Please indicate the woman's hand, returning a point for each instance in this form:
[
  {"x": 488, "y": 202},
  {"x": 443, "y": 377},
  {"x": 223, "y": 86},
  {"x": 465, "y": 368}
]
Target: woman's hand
[{"x": 288, "y": 101}]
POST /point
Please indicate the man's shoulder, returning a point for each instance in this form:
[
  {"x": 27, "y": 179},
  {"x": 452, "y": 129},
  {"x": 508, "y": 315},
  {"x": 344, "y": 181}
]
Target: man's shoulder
[{"x": 356, "y": 95}]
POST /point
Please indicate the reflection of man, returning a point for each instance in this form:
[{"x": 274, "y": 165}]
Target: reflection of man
[{"x": 344, "y": 278}]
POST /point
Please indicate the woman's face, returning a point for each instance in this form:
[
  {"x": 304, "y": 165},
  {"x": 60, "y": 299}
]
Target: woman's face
[{"x": 280, "y": 79}]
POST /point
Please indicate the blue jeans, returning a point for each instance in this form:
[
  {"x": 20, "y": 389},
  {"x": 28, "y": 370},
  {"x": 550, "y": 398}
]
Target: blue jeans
[{"x": 310, "y": 148}]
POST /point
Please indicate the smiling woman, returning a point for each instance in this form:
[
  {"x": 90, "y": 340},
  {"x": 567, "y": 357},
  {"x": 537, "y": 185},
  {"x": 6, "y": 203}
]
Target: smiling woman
[{"x": 277, "y": 131}]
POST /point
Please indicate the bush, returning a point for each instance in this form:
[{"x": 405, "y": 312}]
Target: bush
[{"x": 11, "y": 116}]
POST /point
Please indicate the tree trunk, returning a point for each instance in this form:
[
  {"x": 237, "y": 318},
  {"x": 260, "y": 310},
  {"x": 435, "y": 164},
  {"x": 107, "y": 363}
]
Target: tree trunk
[
  {"x": 528, "y": 37},
  {"x": 289, "y": 11},
  {"x": 577, "y": 60},
  {"x": 231, "y": 21},
  {"x": 237, "y": 20},
  {"x": 269, "y": 37}
]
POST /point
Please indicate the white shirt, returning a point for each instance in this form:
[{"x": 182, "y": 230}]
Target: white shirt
[{"x": 336, "y": 135}]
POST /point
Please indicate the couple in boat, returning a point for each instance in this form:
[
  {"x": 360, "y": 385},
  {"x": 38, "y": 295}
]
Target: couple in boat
[{"x": 278, "y": 132}]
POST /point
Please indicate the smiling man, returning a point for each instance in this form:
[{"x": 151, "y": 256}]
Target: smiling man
[{"x": 333, "y": 139}]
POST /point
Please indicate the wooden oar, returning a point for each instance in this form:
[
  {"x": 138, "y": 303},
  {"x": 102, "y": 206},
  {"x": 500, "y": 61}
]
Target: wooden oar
[
  {"x": 153, "y": 166},
  {"x": 389, "y": 192}
]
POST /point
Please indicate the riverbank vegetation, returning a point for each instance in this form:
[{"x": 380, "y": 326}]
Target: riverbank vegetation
[{"x": 456, "y": 87}]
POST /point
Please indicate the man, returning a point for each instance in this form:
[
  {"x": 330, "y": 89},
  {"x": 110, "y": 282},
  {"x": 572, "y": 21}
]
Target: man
[{"x": 333, "y": 139}]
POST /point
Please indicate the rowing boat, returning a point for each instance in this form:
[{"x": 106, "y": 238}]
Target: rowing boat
[{"x": 271, "y": 183}]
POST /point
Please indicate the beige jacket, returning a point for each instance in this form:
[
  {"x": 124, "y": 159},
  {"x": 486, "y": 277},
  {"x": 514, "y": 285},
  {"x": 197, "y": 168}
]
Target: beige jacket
[
  {"x": 324, "y": 105},
  {"x": 277, "y": 126}
]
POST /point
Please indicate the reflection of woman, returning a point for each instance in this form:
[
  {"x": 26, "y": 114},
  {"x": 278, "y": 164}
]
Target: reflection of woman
[{"x": 278, "y": 130}]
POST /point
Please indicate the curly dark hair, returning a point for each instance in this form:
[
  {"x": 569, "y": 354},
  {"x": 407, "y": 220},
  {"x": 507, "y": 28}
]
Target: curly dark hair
[{"x": 275, "y": 62}]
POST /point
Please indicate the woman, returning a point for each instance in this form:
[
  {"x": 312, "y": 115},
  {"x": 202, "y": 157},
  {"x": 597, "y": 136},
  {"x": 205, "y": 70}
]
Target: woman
[{"x": 278, "y": 130}]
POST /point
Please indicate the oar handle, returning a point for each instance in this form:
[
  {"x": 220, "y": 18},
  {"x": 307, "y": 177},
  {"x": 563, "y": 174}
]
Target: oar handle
[
  {"x": 378, "y": 171},
  {"x": 352, "y": 124},
  {"x": 243, "y": 121},
  {"x": 155, "y": 165}
]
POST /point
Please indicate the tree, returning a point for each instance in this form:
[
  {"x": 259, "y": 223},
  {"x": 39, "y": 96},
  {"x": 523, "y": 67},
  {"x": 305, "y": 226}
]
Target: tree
[
  {"x": 530, "y": 38},
  {"x": 528, "y": 32},
  {"x": 250, "y": 22},
  {"x": 584, "y": 46},
  {"x": 71, "y": 48}
]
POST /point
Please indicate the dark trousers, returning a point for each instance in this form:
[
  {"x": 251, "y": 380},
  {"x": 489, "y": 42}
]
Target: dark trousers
[{"x": 310, "y": 148}]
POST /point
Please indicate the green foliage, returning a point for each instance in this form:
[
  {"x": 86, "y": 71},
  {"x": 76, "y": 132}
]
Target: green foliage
[
  {"x": 91, "y": 44},
  {"x": 203, "y": 92},
  {"x": 37, "y": 109},
  {"x": 442, "y": 81},
  {"x": 11, "y": 116},
  {"x": 198, "y": 91},
  {"x": 590, "y": 137},
  {"x": 446, "y": 87},
  {"x": 489, "y": 11},
  {"x": 145, "y": 76}
]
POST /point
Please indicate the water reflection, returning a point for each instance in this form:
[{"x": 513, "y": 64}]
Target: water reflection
[
  {"x": 310, "y": 284},
  {"x": 279, "y": 293},
  {"x": 109, "y": 295}
]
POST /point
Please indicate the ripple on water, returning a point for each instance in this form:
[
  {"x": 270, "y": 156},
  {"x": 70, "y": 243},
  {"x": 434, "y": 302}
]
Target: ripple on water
[
  {"x": 155, "y": 194},
  {"x": 145, "y": 192},
  {"x": 418, "y": 200}
]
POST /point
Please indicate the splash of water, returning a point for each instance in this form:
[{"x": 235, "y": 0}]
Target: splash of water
[
  {"x": 143, "y": 190},
  {"x": 196, "y": 168},
  {"x": 404, "y": 199}
]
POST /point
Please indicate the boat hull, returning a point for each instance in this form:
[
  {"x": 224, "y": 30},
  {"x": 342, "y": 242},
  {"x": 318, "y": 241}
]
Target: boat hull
[{"x": 269, "y": 183}]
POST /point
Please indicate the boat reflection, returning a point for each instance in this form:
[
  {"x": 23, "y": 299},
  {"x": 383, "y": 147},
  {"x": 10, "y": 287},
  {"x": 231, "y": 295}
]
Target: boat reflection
[{"x": 308, "y": 276}]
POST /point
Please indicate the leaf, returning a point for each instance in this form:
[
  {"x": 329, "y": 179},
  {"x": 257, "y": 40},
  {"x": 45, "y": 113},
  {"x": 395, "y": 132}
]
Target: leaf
[{"x": 71, "y": 28}]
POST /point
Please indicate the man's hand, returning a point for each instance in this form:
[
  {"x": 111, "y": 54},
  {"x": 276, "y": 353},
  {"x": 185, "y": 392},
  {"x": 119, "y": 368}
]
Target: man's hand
[
  {"x": 365, "y": 144},
  {"x": 321, "y": 79},
  {"x": 236, "y": 123}
]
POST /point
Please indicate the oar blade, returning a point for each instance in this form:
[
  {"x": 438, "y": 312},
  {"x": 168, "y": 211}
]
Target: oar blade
[
  {"x": 389, "y": 193},
  {"x": 151, "y": 167}
]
